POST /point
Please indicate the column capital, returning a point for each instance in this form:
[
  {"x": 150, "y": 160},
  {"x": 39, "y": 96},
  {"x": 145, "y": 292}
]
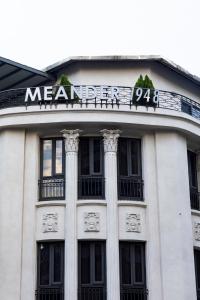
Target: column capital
[
  {"x": 71, "y": 137},
  {"x": 110, "y": 139}
]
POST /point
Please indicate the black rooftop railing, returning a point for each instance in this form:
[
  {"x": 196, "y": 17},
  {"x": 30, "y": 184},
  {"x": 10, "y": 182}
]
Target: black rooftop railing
[{"x": 126, "y": 96}]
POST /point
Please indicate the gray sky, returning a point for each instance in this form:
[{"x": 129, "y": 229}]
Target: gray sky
[{"x": 41, "y": 32}]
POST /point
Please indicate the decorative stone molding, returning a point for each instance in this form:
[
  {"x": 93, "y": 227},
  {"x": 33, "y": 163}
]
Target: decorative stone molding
[
  {"x": 91, "y": 222},
  {"x": 133, "y": 223},
  {"x": 50, "y": 222},
  {"x": 71, "y": 139},
  {"x": 110, "y": 139},
  {"x": 196, "y": 231}
]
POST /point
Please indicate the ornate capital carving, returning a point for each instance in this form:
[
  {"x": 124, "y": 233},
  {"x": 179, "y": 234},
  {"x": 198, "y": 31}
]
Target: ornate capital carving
[
  {"x": 50, "y": 222},
  {"x": 110, "y": 139},
  {"x": 71, "y": 139},
  {"x": 91, "y": 221},
  {"x": 133, "y": 223}
]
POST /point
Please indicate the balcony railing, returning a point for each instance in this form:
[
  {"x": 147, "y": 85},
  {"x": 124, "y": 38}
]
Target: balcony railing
[
  {"x": 92, "y": 293},
  {"x": 51, "y": 189},
  {"x": 126, "y": 96},
  {"x": 130, "y": 188},
  {"x": 133, "y": 294},
  {"x": 194, "y": 198},
  {"x": 49, "y": 294},
  {"x": 91, "y": 187}
]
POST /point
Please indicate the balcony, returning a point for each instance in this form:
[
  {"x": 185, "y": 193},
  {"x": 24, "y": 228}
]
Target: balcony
[
  {"x": 51, "y": 188},
  {"x": 194, "y": 198},
  {"x": 133, "y": 294},
  {"x": 49, "y": 294},
  {"x": 91, "y": 187},
  {"x": 92, "y": 293},
  {"x": 130, "y": 188},
  {"x": 164, "y": 100}
]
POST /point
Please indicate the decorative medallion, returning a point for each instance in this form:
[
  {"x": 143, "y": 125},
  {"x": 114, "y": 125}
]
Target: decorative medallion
[
  {"x": 197, "y": 231},
  {"x": 91, "y": 221},
  {"x": 50, "y": 222},
  {"x": 133, "y": 223}
]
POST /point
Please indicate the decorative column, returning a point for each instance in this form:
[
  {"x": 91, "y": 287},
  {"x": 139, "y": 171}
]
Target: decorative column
[
  {"x": 112, "y": 245},
  {"x": 71, "y": 179}
]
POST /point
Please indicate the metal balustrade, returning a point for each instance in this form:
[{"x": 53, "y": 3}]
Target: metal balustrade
[
  {"x": 194, "y": 198},
  {"x": 51, "y": 188},
  {"x": 127, "y": 96},
  {"x": 49, "y": 294},
  {"x": 91, "y": 187},
  {"x": 92, "y": 293},
  {"x": 130, "y": 188},
  {"x": 133, "y": 294}
]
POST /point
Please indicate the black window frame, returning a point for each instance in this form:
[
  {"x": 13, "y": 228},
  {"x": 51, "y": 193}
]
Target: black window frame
[
  {"x": 130, "y": 185},
  {"x": 197, "y": 271},
  {"x": 193, "y": 180},
  {"x": 91, "y": 185},
  {"x": 52, "y": 286}
]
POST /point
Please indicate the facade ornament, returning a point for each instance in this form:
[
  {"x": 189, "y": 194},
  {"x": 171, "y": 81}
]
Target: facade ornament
[
  {"x": 133, "y": 223},
  {"x": 71, "y": 139},
  {"x": 110, "y": 139},
  {"x": 196, "y": 231},
  {"x": 50, "y": 222},
  {"x": 91, "y": 222}
]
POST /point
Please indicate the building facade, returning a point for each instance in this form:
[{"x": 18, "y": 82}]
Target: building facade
[{"x": 99, "y": 181}]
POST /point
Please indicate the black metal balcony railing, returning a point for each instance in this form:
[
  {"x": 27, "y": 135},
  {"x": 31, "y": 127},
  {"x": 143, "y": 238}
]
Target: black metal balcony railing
[
  {"x": 194, "y": 198},
  {"x": 130, "y": 188},
  {"x": 91, "y": 187},
  {"x": 49, "y": 294},
  {"x": 133, "y": 294},
  {"x": 51, "y": 188},
  {"x": 92, "y": 293},
  {"x": 126, "y": 96}
]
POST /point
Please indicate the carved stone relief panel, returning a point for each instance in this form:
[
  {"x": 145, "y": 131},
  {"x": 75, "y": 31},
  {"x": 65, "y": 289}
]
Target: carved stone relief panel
[
  {"x": 133, "y": 223},
  {"x": 91, "y": 221},
  {"x": 50, "y": 222}
]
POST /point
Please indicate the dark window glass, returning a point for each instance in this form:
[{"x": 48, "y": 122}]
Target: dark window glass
[
  {"x": 192, "y": 168},
  {"x": 97, "y": 156},
  {"x": 47, "y": 158},
  {"x": 85, "y": 263},
  {"x": 138, "y": 264},
  {"x": 84, "y": 157},
  {"x": 135, "y": 159},
  {"x": 57, "y": 263},
  {"x": 186, "y": 107},
  {"x": 126, "y": 264},
  {"x": 44, "y": 264},
  {"x": 132, "y": 265},
  {"x": 197, "y": 271},
  {"x": 98, "y": 262},
  {"x": 123, "y": 166}
]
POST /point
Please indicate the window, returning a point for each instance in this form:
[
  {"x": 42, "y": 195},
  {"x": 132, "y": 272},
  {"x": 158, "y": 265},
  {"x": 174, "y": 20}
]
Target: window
[
  {"x": 50, "y": 271},
  {"x": 130, "y": 184},
  {"x": 192, "y": 171},
  {"x": 132, "y": 271},
  {"x": 197, "y": 271},
  {"x": 91, "y": 172},
  {"x": 92, "y": 275},
  {"x": 52, "y": 169}
]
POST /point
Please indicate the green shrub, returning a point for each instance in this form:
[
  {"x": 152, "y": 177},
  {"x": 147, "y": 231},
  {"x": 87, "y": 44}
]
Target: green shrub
[
  {"x": 144, "y": 83},
  {"x": 63, "y": 80}
]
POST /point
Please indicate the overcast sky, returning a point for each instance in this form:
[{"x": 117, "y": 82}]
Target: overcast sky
[{"x": 40, "y": 32}]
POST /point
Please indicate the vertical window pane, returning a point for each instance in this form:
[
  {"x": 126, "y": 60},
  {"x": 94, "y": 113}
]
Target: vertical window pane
[
  {"x": 47, "y": 158},
  {"x": 135, "y": 156},
  {"x": 44, "y": 263},
  {"x": 123, "y": 170},
  {"x": 138, "y": 264},
  {"x": 85, "y": 263},
  {"x": 57, "y": 263},
  {"x": 98, "y": 262},
  {"x": 59, "y": 154},
  {"x": 84, "y": 157},
  {"x": 197, "y": 267},
  {"x": 125, "y": 264},
  {"x": 192, "y": 169},
  {"x": 96, "y": 155}
]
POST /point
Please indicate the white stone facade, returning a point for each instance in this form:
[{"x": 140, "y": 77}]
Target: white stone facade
[{"x": 164, "y": 221}]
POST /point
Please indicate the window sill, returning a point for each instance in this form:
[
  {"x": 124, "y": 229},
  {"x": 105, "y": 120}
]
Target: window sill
[
  {"x": 91, "y": 202},
  {"x": 51, "y": 203},
  {"x": 131, "y": 203},
  {"x": 195, "y": 212}
]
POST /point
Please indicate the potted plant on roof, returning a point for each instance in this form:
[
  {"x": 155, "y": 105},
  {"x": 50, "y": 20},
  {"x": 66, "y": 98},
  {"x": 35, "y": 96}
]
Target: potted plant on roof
[
  {"x": 65, "y": 82},
  {"x": 143, "y": 93}
]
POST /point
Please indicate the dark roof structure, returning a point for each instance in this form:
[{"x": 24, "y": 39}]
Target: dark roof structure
[{"x": 14, "y": 75}]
